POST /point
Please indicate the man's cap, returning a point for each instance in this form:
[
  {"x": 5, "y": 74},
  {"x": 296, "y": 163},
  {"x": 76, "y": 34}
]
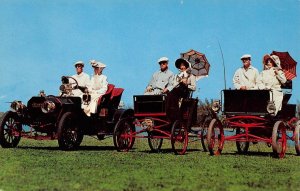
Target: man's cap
[
  {"x": 163, "y": 59},
  {"x": 245, "y": 56},
  {"x": 79, "y": 63}
]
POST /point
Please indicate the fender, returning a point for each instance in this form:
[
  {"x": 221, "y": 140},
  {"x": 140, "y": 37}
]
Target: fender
[{"x": 122, "y": 113}]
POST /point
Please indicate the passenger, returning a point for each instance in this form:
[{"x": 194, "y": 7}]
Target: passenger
[
  {"x": 162, "y": 80},
  {"x": 183, "y": 84},
  {"x": 245, "y": 77},
  {"x": 97, "y": 87},
  {"x": 271, "y": 78},
  {"x": 82, "y": 78}
]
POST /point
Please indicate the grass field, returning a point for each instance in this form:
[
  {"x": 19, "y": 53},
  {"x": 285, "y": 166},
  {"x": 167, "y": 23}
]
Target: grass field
[{"x": 39, "y": 165}]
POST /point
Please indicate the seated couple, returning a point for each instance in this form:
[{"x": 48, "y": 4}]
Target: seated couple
[
  {"x": 175, "y": 87},
  {"x": 271, "y": 78}
]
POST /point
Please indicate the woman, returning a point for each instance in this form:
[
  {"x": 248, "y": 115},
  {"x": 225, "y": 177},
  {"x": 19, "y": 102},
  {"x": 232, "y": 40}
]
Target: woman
[
  {"x": 271, "y": 78},
  {"x": 97, "y": 87},
  {"x": 184, "y": 83}
]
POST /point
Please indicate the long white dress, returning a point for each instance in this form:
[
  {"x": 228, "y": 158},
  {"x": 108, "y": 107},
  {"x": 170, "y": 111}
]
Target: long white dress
[
  {"x": 97, "y": 87},
  {"x": 269, "y": 80}
]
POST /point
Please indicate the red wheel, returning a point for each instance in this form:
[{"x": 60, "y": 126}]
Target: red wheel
[
  {"x": 123, "y": 139},
  {"x": 297, "y": 138},
  {"x": 10, "y": 130},
  {"x": 242, "y": 147},
  {"x": 215, "y": 137},
  {"x": 179, "y": 138},
  {"x": 279, "y": 139}
]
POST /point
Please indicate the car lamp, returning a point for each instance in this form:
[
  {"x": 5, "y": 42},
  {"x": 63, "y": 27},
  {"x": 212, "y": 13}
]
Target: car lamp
[
  {"x": 17, "y": 106},
  {"x": 216, "y": 106},
  {"x": 48, "y": 107},
  {"x": 271, "y": 108}
]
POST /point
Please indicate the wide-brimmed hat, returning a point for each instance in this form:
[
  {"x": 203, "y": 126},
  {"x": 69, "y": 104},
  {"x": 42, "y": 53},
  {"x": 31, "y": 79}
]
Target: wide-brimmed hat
[
  {"x": 180, "y": 61},
  {"x": 163, "y": 59},
  {"x": 79, "y": 63},
  {"x": 274, "y": 58},
  {"x": 246, "y": 56},
  {"x": 97, "y": 64}
]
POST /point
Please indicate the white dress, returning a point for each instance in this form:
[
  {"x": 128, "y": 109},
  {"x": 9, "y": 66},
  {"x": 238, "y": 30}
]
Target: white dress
[
  {"x": 269, "y": 80},
  {"x": 97, "y": 87}
]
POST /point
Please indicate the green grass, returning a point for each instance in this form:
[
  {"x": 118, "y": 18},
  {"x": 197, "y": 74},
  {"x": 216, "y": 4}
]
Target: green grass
[{"x": 39, "y": 165}]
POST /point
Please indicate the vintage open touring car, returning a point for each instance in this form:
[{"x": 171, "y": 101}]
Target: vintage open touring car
[
  {"x": 250, "y": 113},
  {"x": 61, "y": 117},
  {"x": 150, "y": 121}
]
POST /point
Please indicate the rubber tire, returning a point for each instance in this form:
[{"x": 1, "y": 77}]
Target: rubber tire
[
  {"x": 242, "y": 147},
  {"x": 10, "y": 141},
  {"x": 154, "y": 144},
  {"x": 212, "y": 147},
  {"x": 183, "y": 138},
  {"x": 203, "y": 135},
  {"x": 297, "y": 138},
  {"x": 124, "y": 126},
  {"x": 279, "y": 126},
  {"x": 65, "y": 141}
]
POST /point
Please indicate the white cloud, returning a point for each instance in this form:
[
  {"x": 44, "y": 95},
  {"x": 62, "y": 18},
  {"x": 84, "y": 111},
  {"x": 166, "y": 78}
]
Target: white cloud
[{"x": 2, "y": 97}]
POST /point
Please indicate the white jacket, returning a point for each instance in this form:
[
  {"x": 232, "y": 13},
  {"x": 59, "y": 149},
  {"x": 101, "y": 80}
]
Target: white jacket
[
  {"x": 246, "y": 78},
  {"x": 83, "y": 80}
]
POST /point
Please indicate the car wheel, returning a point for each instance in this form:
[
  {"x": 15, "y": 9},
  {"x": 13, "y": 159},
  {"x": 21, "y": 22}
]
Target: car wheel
[
  {"x": 124, "y": 135},
  {"x": 279, "y": 139},
  {"x": 68, "y": 134},
  {"x": 179, "y": 138},
  {"x": 297, "y": 138},
  {"x": 10, "y": 130},
  {"x": 215, "y": 137},
  {"x": 242, "y": 147}
]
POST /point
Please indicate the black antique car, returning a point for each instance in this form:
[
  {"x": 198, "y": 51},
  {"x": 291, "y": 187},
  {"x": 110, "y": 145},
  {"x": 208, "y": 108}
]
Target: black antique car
[{"x": 61, "y": 117}]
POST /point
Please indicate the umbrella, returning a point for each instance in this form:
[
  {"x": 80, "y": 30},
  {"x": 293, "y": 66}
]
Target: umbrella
[
  {"x": 288, "y": 64},
  {"x": 199, "y": 63}
]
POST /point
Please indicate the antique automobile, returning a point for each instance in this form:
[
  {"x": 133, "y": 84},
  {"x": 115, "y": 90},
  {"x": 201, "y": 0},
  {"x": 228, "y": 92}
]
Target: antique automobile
[
  {"x": 61, "y": 117},
  {"x": 150, "y": 121},
  {"x": 251, "y": 115}
]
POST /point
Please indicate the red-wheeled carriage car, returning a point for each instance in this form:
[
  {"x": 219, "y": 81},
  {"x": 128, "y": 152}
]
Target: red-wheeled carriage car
[
  {"x": 251, "y": 115},
  {"x": 150, "y": 121}
]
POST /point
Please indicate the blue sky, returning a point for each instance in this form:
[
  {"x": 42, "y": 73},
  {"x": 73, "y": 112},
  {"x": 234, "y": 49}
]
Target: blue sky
[{"x": 40, "y": 40}]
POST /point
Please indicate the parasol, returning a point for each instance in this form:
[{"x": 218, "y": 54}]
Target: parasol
[
  {"x": 288, "y": 64},
  {"x": 199, "y": 63}
]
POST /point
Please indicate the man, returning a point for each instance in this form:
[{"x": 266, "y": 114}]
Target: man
[
  {"x": 245, "y": 77},
  {"x": 82, "y": 78},
  {"x": 162, "y": 80}
]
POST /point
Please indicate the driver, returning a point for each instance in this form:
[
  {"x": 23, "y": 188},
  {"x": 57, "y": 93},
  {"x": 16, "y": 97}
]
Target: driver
[
  {"x": 245, "y": 77},
  {"x": 82, "y": 78},
  {"x": 97, "y": 87}
]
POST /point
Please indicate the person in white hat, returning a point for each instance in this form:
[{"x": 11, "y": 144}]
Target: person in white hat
[
  {"x": 97, "y": 87},
  {"x": 271, "y": 78},
  {"x": 162, "y": 80},
  {"x": 82, "y": 78},
  {"x": 245, "y": 77}
]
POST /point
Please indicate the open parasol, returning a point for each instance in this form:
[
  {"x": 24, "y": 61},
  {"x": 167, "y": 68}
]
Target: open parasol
[
  {"x": 288, "y": 64},
  {"x": 199, "y": 63}
]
